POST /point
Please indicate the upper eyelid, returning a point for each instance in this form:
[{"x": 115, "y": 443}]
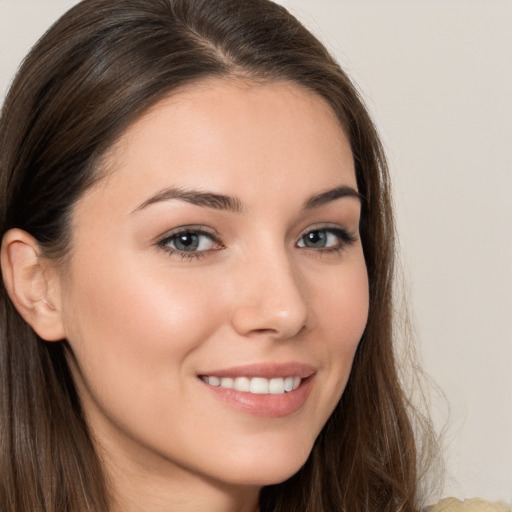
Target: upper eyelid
[
  {"x": 322, "y": 225},
  {"x": 325, "y": 226},
  {"x": 193, "y": 228}
]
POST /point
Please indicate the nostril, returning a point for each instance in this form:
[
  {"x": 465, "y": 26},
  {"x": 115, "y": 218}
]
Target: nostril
[{"x": 267, "y": 321}]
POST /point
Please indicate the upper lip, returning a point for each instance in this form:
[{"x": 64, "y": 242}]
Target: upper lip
[{"x": 266, "y": 370}]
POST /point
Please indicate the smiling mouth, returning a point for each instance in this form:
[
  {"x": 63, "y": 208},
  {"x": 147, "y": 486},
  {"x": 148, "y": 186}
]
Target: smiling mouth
[{"x": 255, "y": 385}]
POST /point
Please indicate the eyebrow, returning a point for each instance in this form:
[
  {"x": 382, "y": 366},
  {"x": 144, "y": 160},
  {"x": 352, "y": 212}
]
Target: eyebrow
[
  {"x": 233, "y": 204},
  {"x": 331, "y": 195},
  {"x": 196, "y": 197}
]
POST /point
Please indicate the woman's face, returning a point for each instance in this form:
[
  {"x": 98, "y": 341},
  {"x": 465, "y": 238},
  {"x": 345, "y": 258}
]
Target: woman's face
[{"x": 222, "y": 246}]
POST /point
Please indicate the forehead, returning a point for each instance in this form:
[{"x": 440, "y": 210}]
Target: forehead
[{"x": 234, "y": 136}]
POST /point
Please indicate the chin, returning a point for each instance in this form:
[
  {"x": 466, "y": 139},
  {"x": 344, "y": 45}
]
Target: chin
[{"x": 264, "y": 468}]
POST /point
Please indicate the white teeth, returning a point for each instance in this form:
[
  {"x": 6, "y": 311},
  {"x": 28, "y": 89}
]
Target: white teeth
[
  {"x": 256, "y": 385},
  {"x": 276, "y": 386},
  {"x": 226, "y": 382},
  {"x": 288, "y": 383},
  {"x": 259, "y": 386},
  {"x": 213, "y": 381},
  {"x": 242, "y": 384}
]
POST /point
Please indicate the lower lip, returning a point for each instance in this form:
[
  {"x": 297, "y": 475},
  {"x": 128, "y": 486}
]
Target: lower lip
[{"x": 264, "y": 406}]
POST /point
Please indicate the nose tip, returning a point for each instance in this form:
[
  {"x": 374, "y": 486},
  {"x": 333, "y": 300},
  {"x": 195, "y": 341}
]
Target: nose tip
[
  {"x": 280, "y": 324},
  {"x": 271, "y": 304}
]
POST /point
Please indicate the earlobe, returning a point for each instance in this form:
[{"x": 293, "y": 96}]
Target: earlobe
[{"x": 32, "y": 290}]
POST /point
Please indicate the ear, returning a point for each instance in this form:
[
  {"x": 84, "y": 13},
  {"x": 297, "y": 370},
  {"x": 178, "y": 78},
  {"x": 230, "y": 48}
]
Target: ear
[{"x": 31, "y": 284}]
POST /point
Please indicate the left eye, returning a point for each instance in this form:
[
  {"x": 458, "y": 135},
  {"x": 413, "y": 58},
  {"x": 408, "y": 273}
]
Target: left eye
[
  {"x": 189, "y": 241},
  {"x": 327, "y": 238}
]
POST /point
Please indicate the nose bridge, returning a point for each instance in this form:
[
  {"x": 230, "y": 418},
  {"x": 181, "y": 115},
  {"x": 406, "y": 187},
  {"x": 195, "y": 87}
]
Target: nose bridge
[{"x": 270, "y": 296}]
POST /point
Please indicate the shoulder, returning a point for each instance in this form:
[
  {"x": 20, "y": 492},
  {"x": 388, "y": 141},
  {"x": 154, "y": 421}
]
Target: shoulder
[{"x": 472, "y": 505}]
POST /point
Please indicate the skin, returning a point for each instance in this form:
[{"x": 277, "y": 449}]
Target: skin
[{"x": 143, "y": 322}]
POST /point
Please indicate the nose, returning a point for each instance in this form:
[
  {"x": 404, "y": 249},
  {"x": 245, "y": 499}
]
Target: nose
[{"x": 269, "y": 298}]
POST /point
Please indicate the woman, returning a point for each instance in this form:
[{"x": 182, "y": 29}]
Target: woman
[{"x": 197, "y": 260}]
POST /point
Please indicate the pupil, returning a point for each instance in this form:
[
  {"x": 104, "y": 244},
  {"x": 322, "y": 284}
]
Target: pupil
[
  {"x": 316, "y": 239},
  {"x": 187, "y": 242}
]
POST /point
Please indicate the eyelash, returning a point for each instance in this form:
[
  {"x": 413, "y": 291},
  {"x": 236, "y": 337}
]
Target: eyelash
[
  {"x": 345, "y": 239},
  {"x": 189, "y": 230}
]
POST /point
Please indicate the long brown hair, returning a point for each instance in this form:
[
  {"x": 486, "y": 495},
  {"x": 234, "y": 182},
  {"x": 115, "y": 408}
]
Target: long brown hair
[{"x": 95, "y": 71}]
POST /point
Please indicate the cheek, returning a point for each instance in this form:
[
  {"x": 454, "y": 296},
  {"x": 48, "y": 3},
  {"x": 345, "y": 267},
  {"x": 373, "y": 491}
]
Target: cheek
[
  {"x": 142, "y": 299},
  {"x": 344, "y": 314},
  {"x": 344, "y": 306},
  {"x": 133, "y": 323}
]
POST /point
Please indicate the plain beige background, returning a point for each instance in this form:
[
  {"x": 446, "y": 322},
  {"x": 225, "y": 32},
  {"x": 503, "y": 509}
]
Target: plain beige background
[{"x": 437, "y": 76}]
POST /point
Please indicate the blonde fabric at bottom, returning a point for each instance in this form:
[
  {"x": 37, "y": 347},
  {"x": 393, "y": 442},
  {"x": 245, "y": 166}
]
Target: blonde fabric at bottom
[{"x": 472, "y": 505}]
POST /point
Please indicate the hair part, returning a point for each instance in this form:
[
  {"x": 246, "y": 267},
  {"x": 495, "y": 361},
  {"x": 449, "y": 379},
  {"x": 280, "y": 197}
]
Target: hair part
[{"x": 97, "y": 70}]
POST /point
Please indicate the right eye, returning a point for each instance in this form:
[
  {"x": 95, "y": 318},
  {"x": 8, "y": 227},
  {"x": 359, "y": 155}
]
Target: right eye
[{"x": 189, "y": 243}]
